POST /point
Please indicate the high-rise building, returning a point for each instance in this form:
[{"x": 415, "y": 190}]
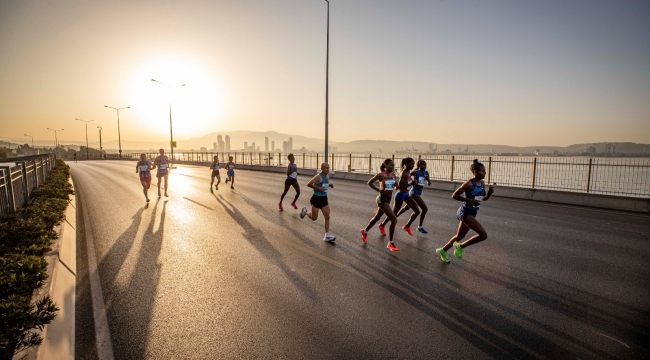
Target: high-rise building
[
  {"x": 214, "y": 146},
  {"x": 220, "y": 144},
  {"x": 245, "y": 146},
  {"x": 252, "y": 146},
  {"x": 290, "y": 145},
  {"x": 266, "y": 143},
  {"x": 273, "y": 146},
  {"x": 227, "y": 143}
]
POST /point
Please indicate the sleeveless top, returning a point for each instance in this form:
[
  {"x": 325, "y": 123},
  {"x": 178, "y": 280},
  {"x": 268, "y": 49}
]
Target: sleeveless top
[
  {"x": 163, "y": 163},
  {"x": 215, "y": 166},
  {"x": 404, "y": 187},
  {"x": 324, "y": 183},
  {"x": 477, "y": 192},
  {"x": 294, "y": 172},
  {"x": 388, "y": 183},
  {"x": 145, "y": 168},
  {"x": 420, "y": 178}
]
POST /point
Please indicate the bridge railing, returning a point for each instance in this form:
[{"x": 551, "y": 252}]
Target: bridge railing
[
  {"x": 19, "y": 177},
  {"x": 611, "y": 176}
]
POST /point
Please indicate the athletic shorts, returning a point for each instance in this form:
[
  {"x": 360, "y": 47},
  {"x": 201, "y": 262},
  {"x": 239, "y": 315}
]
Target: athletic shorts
[
  {"x": 215, "y": 173},
  {"x": 290, "y": 181},
  {"x": 402, "y": 195},
  {"x": 318, "y": 202},
  {"x": 383, "y": 199},
  {"x": 415, "y": 191},
  {"x": 231, "y": 173},
  {"x": 145, "y": 179},
  {"x": 162, "y": 172},
  {"x": 464, "y": 211}
]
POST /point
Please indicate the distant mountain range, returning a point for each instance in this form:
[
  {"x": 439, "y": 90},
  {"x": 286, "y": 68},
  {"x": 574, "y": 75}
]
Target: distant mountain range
[{"x": 302, "y": 143}]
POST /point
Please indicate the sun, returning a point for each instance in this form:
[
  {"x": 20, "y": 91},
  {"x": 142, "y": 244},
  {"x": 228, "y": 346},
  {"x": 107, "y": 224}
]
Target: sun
[{"x": 196, "y": 107}]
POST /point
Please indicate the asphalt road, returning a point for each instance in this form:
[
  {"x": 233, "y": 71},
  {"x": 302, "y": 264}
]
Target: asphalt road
[{"x": 202, "y": 276}]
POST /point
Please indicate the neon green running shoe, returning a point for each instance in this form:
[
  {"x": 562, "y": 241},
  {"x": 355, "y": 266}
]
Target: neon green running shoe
[
  {"x": 216, "y": 187},
  {"x": 458, "y": 251},
  {"x": 443, "y": 255},
  {"x": 212, "y": 191}
]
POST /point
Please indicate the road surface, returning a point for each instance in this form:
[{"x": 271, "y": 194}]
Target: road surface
[{"x": 203, "y": 276}]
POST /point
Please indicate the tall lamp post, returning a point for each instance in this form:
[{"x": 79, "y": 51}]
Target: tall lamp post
[
  {"x": 119, "y": 139},
  {"x": 33, "y": 149},
  {"x": 100, "y": 142},
  {"x": 56, "y": 141},
  {"x": 171, "y": 134},
  {"x": 86, "y": 121},
  {"x": 327, "y": 74}
]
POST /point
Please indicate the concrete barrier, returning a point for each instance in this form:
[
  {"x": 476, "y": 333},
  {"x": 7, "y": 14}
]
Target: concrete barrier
[
  {"x": 632, "y": 204},
  {"x": 59, "y": 335}
]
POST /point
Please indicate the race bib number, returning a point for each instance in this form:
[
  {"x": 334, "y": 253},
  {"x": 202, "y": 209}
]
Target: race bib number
[
  {"x": 294, "y": 175},
  {"x": 162, "y": 166},
  {"x": 144, "y": 167},
  {"x": 421, "y": 181},
  {"x": 479, "y": 199},
  {"x": 389, "y": 184}
]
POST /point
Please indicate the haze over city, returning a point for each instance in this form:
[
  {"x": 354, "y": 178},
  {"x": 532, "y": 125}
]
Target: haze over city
[{"x": 520, "y": 74}]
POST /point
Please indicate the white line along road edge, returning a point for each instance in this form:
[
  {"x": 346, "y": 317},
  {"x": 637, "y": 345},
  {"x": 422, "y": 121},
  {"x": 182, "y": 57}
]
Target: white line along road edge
[{"x": 102, "y": 332}]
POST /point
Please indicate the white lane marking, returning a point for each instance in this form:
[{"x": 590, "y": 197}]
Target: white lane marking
[
  {"x": 617, "y": 340},
  {"x": 102, "y": 332}
]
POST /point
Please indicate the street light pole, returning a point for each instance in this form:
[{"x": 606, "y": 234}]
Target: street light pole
[
  {"x": 100, "y": 142},
  {"x": 327, "y": 74},
  {"x": 33, "y": 149},
  {"x": 86, "y": 121},
  {"x": 171, "y": 134},
  {"x": 56, "y": 141},
  {"x": 119, "y": 138}
]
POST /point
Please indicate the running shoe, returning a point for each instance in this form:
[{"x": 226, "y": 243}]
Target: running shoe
[
  {"x": 158, "y": 193},
  {"x": 166, "y": 194},
  {"x": 382, "y": 229},
  {"x": 364, "y": 235},
  {"x": 392, "y": 246},
  {"x": 294, "y": 205},
  {"x": 443, "y": 255},
  {"x": 458, "y": 251},
  {"x": 280, "y": 206},
  {"x": 408, "y": 230},
  {"x": 303, "y": 212},
  {"x": 421, "y": 229},
  {"x": 329, "y": 238},
  {"x": 216, "y": 187},
  {"x": 227, "y": 180},
  {"x": 232, "y": 187},
  {"x": 212, "y": 191},
  {"x": 147, "y": 199}
]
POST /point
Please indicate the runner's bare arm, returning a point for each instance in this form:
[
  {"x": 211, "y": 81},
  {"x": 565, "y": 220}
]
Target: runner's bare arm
[
  {"x": 371, "y": 182},
  {"x": 467, "y": 186}
]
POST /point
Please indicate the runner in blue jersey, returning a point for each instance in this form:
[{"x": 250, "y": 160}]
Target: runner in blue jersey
[
  {"x": 420, "y": 177},
  {"x": 144, "y": 167},
  {"x": 321, "y": 185},
  {"x": 403, "y": 196},
  {"x": 215, "y": 173},
  {"x": 231, "y": 172},
  {"x": 291, "y": 180},
  {"x": 471, "y": 193},
  {"x": 162, "y": 163}
]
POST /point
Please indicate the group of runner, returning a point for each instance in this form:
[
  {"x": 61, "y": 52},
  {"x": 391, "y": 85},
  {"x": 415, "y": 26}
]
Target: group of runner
[{"x": 408, "y": 186}]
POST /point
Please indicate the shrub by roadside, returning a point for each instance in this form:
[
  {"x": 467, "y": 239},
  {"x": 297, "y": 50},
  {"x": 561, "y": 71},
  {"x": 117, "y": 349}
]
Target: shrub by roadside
[{"x": 25, "y": 238}]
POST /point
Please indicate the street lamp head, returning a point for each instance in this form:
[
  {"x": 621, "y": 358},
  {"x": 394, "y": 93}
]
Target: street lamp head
[
  {"x": 105, "y": 105},
  {"x": 183, "y": 85},
  {"x": 153, "y": 79},
  {"x": 128, "y": 107},
  {"x": 99, "y": 127}
]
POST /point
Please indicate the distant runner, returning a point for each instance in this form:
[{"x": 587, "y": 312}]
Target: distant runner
[
  {"x": 321, "y": 185},
  {"x": 144, "y": 167},
  {"x": 292, "y": 180},
  {"x": 386, "y": 180},
  {"x": 231, "y": 172},
  {"x": 215, "y": 173},
  {"x": 75, "y": 157},
  {"x": 420, "y": 177},
  {"x": 162, "y": 163},
  {"x": 471, "y": 193},
  {"x": 403, "y": 196}
]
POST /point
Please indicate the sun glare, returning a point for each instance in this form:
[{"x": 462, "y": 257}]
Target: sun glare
[{"x": 196, "y": 107}]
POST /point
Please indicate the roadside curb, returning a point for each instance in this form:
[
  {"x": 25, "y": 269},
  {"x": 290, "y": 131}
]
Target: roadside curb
[{"x": 59, "y": 335}]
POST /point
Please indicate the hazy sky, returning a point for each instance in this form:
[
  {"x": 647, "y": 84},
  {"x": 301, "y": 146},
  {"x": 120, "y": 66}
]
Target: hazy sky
[{"x": 499, "y": 72}]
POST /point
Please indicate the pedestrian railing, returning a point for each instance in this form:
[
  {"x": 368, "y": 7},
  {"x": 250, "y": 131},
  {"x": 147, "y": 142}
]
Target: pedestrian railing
[
  {"x": 19, "y": 177},
  {"x": 612, "y": 176}
]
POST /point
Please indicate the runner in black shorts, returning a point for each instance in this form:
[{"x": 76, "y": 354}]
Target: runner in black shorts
[
  {"x": 215, "y": 173},
  {"x": 292, "y": 180},
  {"x": 321, "y": 185},
  {"x": 386, "y": 180}
]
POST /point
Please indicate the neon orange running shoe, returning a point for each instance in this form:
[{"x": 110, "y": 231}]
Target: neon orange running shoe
[
  {"x": 392, "y": 246},
  {"x": 364, "y": 235},
  {"x": 408, "y": 230},
  {"x": 382, "y": 229}
]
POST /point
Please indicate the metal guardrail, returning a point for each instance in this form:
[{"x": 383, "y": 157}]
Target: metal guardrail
[
  {"x": 610, "y": 176},
  {"x": 18, "y": 181}
]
